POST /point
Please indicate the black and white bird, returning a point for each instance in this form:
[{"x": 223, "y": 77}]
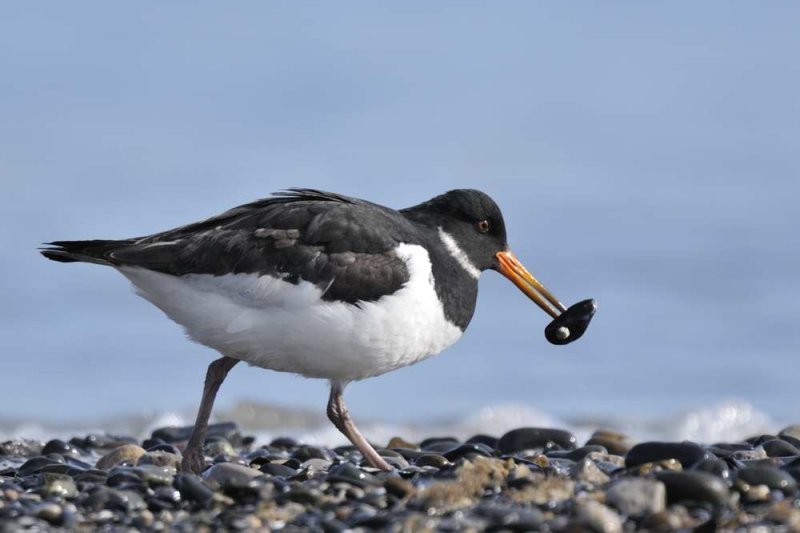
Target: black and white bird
[{"x": 319, "y": 284}]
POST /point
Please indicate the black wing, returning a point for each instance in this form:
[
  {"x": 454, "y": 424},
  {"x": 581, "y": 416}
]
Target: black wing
[{"x": 343, "y": 245}]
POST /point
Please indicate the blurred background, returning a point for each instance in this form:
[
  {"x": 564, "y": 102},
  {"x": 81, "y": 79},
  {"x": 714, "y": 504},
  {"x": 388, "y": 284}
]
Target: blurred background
[{"x": 644, "y": 155}]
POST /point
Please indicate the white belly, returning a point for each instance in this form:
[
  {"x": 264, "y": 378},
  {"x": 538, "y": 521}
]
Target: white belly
[{"x": 278, "y": 325}]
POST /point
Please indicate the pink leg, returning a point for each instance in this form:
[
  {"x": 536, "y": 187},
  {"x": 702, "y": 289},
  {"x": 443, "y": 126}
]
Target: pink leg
[
  {"x": 193, "y": 460},
  {"x": 338, "y": 414}
]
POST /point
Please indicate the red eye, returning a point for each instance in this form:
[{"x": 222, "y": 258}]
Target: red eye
[{"x": 483, "y": 226}]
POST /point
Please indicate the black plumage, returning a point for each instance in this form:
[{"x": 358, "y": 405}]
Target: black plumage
[{"x": 345, "y": 246}]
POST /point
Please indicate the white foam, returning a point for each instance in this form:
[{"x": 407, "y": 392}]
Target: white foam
[{"x": 727, "y": 421}]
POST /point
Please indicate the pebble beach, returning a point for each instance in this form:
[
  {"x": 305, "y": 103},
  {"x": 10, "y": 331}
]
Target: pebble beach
[{"x": 527, "y": 479}]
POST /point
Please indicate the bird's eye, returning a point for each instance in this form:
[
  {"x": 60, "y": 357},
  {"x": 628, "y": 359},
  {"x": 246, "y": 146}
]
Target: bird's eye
[{"x": 483, "y": 226}]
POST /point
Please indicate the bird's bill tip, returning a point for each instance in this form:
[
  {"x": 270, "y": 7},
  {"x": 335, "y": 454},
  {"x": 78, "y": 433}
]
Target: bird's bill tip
[{"x": 510, "y": 267}]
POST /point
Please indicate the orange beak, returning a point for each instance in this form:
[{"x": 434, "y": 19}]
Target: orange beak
[{"x": 511, "y": 268}]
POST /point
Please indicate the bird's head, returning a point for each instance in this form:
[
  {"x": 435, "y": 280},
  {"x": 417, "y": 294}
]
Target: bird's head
[{"x": 472, "y": 229}]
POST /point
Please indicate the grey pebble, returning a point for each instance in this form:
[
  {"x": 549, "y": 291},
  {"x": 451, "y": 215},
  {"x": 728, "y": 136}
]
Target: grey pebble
[
  {"x": 637, "y": 496},
  {"x": 694, "y": 486}
]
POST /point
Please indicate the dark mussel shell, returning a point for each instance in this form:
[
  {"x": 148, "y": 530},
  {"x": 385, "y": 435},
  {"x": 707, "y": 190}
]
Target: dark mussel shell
[{"x": 575, "y": 319}]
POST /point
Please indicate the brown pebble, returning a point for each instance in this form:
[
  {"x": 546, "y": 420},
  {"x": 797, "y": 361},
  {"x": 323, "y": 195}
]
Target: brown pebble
[
  {"x": 615, "y": 443},
  {"x": 127, "y": 452},
  {"x": 399, "y": 442}
]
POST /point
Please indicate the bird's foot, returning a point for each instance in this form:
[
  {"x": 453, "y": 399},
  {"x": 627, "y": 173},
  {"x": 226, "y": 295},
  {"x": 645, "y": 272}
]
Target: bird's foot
[
  {"x": 193, "y": 461},
  {"x": 375, "y": 460}
]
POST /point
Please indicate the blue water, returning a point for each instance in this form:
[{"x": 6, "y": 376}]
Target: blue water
[{"x": 646, "y": 156}]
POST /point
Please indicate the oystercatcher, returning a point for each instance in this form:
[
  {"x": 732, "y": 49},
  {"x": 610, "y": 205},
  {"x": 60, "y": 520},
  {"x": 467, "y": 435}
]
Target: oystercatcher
[{"x": 319, "y": 284}]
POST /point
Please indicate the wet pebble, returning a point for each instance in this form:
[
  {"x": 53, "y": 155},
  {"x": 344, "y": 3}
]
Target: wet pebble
[
  {"x": 60, "y": 447},
  {"x": 193, "y": 489},
  {"x": 637, "y": 496},
  {"x": 528, "y": 479},
  {"x": 277, "y": 469},
  {"x": 779, "y": 448},
  {"x": 128, "y": 453},
  {"x": 541, "y": 439},
  {"x": 230, "y": 474},
  {"x": 350, "y": 473},
  {"x": 694, "y": 487},
  {"x": 160, "y": 458},
  {"x": 468, "y": 450},
  {"x": 587, "y": 471},
  {"x": 687, "y": 453},
  {"x": 772, "y": 477},
  {"x": 598, "y": 517},
  {"x": 226, "y": 430}
]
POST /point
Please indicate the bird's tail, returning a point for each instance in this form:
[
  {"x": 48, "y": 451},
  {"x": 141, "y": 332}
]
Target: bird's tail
[{"x": 95, "y": 251}]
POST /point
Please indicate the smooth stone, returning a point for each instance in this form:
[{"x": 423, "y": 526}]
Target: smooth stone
[
  {"x": 471, "y": 449},
  {"x": 218, "y": 446},
  {"x": 616, "y": 443},
  {"x": 432, "y": 459},
  {"x": 230, "y": 474},
  {"x": 316, "y": 465},
  {"x": 304, "y": 453},
  {"x": 791, "y": 431},
  {"x": 35, "y": 464},
  {"x": 114, "y": 499},
  {"x": 172, "y": 434},
  {"x": 409, "y": 454},
  {"x": 278, "y": 470},
  {"x": 260, "y": 456},
  {"x": 529, "y": 438},
  {"x": 284, "y": 443},
  {"x": 163, "y": 447},
  {"x": 598, "y": 517},
  {"x": 292, "y": 463},
  {"x": 64, "y": 487},
  {"x": 504, "y": 517},
  {"x": 129, "y": 453},
  {"x": 791, "y": 440},
  {"x": 749, "y": 455},
  {"x": 193, "y": 489},
  {"x": 694, "y": 486},
  {"x": 635, "y": 496},
  {"x": 488, "y": 440},
  {"x": 159, "y": 458},
  {"x": 48, "y": 511},
  {"x": 760, "y": 439},
  {"x": 770, "y": 476},
  {"x": 440, "y": 447},
  {"x": 715, "y": 466},
  {"x": 399, "y": 487},
  {"x": 303, "y": 495},
  {"x": 687, "y": 453},
  {"x": 67, "y": 470},
  {"x": 586, "y": 471},
  {"x": 350, "y": 473},
  {"x": 398, "y": 442},
  {"x": 96, "y": 442},
  {"x": 60, "y": 447},
  {"x": 21, "y": 448},
  {"x": 167, "y": 496},
  {"x": 451, "y": 442},
  {"x": 124, "y": 477},
  {"x": 155, "y": 475},
  {"x": 93, "y": 475},
  {"x": 664, "y": 521},
  {"x": 578, "y": 453},
  {"x": 779, "y": 448}
]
